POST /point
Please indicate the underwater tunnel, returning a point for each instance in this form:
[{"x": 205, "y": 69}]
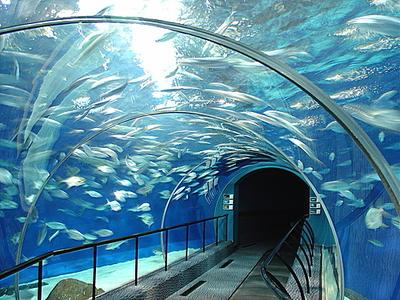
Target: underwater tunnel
[{"x": 225, "y": 122}]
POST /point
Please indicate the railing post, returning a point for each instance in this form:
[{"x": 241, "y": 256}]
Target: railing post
[
  {"x": 204, "y": 236},
  {"x": 40, "y": 280},
  {"x": 187, "y": 242},
  {"x": 216, "y": 233},
  {"x": 310, "y": 229},
  {"x": 136, "y": 259},
  {"x": 294, "y": 276},
  {"x": 166, "y": 251},
  {"x": 94, "y": 271},
  {"x": 309, "y": 240},
  {"x": 301, "y": 264},
  {"x": 308, "y": 248},
  {"x": 308, "y": 261}
]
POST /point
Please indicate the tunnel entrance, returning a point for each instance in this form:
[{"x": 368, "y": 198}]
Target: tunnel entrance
[{"x": 267, "y": 201}]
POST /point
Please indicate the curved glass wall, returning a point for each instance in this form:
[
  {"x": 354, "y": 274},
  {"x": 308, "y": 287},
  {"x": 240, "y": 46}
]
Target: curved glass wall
[{"x": 105, "y": 126}]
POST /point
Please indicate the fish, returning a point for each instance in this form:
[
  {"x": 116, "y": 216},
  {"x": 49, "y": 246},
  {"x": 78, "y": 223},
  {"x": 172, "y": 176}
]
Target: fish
[
  {"x": 374, "y": 218},
  {"x": 275, "y": 120},
  {"x": 90, "y": 43},
  {"x": 103, "y": 232},
  {"x": 15, "y": 238},
  {"x": 384, "y": 99},
  {"x": 395, "y": 146},
  {"x": 94, "y": 194},
  {"x": 386, "y": 25},
  {"x": 141, "y": 208},
  {"x": 74, "y": 181},
  {"x": 56, "y": 225},
  {"x": 289, "y": 53},
  {"x": 54, "y": 235},
  {"x": 335, "y": 127},
  {"x": 82, "y": 203},
  {"x": 114, "y": 205},
  {"x": 376, "y": 243},
  {"x": 124, "y": 182},
  {"x": 8, "y": 204},
  {"x": 339, "y": 202},
  {"x": 237, "y": 96},
  {"x": 167, "y": 36},
  {"x": 106, "y": 169},
  {"x": 42, "y": 234},
  {"x": 308, "y": 170},
  {"x": 287, "y": 121},
  {"x": 105, "y": 81},
  {"x": 332, "y": 156},
  {"x": 59, "y": 194},
  {"x": 5, "y": 177},
  {"x": 147, "y": 219},
  {"x": 356, "y": 203},
  {"x": 347, "y": 194},
  {"x": 120, "y": 195},
  {"x": 388, "y": 206},
  {"x": 396, "y": 221},
  {"x": 21, "y": 219},
  {"x": 178, "y": 196},
  {"x": 384, "y": 118},
  {"x": 115, "y": 245},
  {"x": 90, "y": 237},
  {"x": 335, "y": 186},
  {"x": 144, "y": 190},
  {"x": 317, "y": 175},
  {"x": 220, "y": 30},
  {"x": 306, "y": 149},
  {"x": 300, "y": 165},
  {"x": 165, "y": 194},
  {"x": 381, "y": 136},
  {"x": 74, "y": 234}
]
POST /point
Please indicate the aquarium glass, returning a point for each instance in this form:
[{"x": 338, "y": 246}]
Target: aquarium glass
[{"x": 111, "y": 125}]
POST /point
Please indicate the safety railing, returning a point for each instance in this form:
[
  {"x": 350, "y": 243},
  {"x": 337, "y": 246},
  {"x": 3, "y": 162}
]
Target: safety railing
[
  {"x": 39, "y": 259},
  {"x": 303, "y": 230}
]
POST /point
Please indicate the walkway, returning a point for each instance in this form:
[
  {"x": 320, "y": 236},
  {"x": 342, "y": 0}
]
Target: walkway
[{"x": 222, "y": 281}]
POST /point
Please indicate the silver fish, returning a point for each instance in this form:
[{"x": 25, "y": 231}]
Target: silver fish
[
  {"x": 374, "y": 218},
  {"x": 306, "y": 149},
  {"x": 94, "y": 194},
  {"x": 75, "y": 234},
  {"x": 103, "y": 232},
  {"x": 5, "y": 176},
  {"x": 378, "y": 23},
  {"x": 141, "y": 208},
  {"x": 147, "y": 219},
  {"x": 56, "y": 225},
  {"x": 115, "y": 245}
]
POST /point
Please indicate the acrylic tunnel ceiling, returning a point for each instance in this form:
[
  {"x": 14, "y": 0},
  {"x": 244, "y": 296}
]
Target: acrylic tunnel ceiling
[{"x": 101, "y": 119}]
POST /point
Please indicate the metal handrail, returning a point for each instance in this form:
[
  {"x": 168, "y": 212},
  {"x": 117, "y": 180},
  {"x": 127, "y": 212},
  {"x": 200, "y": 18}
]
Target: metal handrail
[
  {"x": 278, "y": 288},
  {"x": 39, "y": 259},
  {"x": 275, "y": 284}
]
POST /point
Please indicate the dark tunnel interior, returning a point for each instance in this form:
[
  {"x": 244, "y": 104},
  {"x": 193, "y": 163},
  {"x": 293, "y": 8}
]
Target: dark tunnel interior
[{"x": 268, "y": 201}]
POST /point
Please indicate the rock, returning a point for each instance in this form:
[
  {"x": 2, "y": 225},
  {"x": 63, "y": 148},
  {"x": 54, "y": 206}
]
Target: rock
[{"x": 72, "y": 289}]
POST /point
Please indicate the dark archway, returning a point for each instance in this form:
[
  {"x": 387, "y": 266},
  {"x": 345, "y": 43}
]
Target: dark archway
[{"x": 267, "y": 201}]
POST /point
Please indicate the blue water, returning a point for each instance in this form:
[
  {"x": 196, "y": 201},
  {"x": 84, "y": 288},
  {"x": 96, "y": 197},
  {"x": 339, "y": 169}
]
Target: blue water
[{"x": 51, "y": 90}]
